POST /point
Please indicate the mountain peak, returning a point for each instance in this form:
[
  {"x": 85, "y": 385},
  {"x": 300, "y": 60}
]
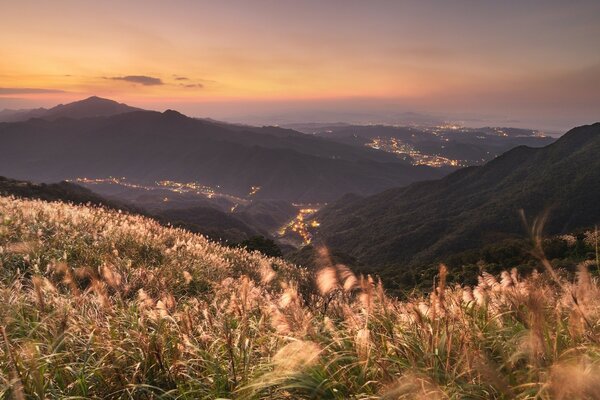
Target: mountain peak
[
  {"x": 97, "y": 98},
  {"x": 93, "y": 106},
  {"x": 172, "y": 114},
  {"x": 92, "y": 100}
]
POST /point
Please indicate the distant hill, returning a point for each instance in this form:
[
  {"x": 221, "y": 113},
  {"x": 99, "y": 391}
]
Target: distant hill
[
  {"x": 148, "y": 146},
  {"x": 63, "y": 191},
  {"x": 428, "y": 221},
  {"x": 8, "y": 115},
  {"x": 465, "y": 146},
  {"x": 91, "y": 107}
]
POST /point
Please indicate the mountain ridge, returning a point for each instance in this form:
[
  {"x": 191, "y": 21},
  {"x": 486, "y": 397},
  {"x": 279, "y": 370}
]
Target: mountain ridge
[
  {"x": 151, "y": 146},
  {"x": 92, "y": 106},
  {"x": 425, "y": 221}
]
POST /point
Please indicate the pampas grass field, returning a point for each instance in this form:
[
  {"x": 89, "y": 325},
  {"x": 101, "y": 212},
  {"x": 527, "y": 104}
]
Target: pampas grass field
[{"x": 100, "y": 304}]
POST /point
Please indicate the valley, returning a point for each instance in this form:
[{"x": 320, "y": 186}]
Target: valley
[
  {"x": 447, "y": 146},
  {"x": 408, "y": 152},
  {"x": 163, "y": 196}
]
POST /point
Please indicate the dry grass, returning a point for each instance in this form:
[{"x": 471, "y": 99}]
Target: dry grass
[{"x": 98, "y": 304}]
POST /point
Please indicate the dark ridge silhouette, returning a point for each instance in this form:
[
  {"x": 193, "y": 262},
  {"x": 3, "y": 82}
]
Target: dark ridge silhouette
[{"x": 91, "y": 107}]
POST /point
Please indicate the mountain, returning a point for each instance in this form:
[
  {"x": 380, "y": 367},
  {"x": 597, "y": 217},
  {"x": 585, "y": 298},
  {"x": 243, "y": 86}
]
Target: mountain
[
  {"x": 148, "y": 146},
  {"x": 428, "y": 221},
  {"x": 91, "y": 107}
]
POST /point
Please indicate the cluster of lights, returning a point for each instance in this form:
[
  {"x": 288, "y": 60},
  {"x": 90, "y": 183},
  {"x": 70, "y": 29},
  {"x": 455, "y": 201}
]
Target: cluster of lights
[
  {"x": 452, "y": 127},
  {"x": 253, "y": 190},
  {"x": 110, "y": 180},
  {"x": 187, "y": 187},
  {"x": 393, "y": 145},
  {"x": 301, "y": 226},
  {"x": 173, "y": 186},
  {"x": 500, "y": 132}
]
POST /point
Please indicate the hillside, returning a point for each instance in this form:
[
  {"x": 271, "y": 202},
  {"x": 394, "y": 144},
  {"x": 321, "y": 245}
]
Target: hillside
[
  {"x": 101, "y": 304},
  {"x": 210, "y": 222},
  {"x": 147, "y": 146},
  {"x": 429, "y": 220}
]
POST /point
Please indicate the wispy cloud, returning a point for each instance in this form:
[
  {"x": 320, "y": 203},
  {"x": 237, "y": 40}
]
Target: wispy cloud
[
  {"x": 4, "y": 91},
  {"x": 181, "y": 78},
  {"x": 193, "y": 85},
  {"x": 139, "y": 79}
]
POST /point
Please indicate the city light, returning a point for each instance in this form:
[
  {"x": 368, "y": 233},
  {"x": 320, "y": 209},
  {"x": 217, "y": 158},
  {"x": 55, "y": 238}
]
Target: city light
[
  {"x": 396, "y": 146},
  {"x": 193, "y": 188},
  {"x": 301, "y": 225}
]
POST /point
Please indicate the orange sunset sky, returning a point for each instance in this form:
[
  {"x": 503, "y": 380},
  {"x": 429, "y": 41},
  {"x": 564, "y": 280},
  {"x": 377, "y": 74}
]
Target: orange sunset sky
[{"x": 525, "y": 63}]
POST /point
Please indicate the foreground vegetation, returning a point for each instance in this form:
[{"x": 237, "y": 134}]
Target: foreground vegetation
[{"x": 100, "y": 304}]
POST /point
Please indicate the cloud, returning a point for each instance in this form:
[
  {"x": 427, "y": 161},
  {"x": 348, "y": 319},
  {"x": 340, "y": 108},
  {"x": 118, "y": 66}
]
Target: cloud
[
  {"x": 193, "y": 85},
  {"x": 181, "y": 78},
  {"x": 4, "y": 91},
  {"x": 140, "y": 79}
]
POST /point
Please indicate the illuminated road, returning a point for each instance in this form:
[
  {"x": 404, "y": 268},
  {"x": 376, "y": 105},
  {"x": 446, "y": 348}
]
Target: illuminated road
[{"x": 302, "y": 225}]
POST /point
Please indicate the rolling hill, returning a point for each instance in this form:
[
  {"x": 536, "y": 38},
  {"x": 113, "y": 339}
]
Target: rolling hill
[
  {"x": 426, "y": 221},
  {"x": 147, "y": 146}
]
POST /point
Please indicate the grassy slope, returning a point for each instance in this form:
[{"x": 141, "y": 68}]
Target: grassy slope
[{"x": 100, "y": 304}]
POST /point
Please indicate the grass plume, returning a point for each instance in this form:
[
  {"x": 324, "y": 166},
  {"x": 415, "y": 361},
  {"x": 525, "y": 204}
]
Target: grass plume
[{"x": 101, "y": 304}]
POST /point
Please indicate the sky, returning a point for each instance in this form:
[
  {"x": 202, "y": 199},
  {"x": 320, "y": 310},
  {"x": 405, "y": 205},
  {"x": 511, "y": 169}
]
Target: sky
[{"x": 522, "y": 63}]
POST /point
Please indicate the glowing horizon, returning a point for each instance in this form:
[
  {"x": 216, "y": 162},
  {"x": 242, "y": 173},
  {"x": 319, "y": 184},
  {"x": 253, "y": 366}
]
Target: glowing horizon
[{"x": 511, "y": 59}]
